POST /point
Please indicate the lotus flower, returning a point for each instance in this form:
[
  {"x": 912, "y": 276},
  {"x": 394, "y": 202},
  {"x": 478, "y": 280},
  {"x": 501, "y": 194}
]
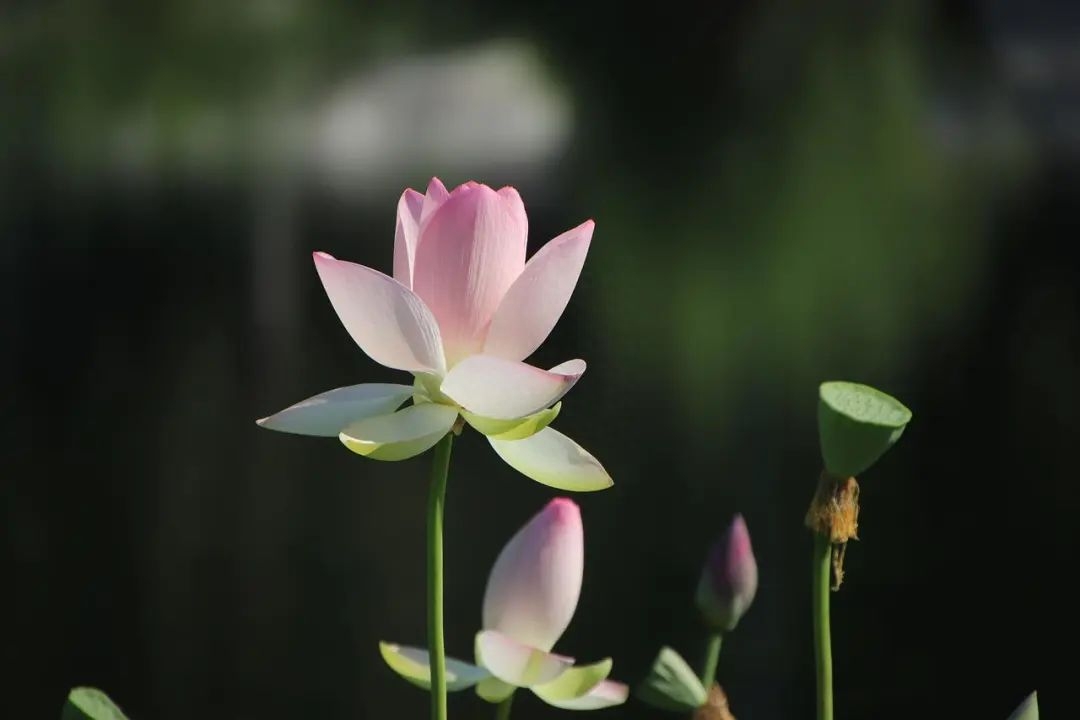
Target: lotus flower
[
  {"x": 729, "y": 579},
  {"x": 531, "y": 596},
  {"x": 461, "y": 314}
]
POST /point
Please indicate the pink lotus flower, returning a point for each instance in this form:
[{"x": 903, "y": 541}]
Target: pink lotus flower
[
  {"x": 531, "y": 596},
  {"x": 462, "y": 312}
]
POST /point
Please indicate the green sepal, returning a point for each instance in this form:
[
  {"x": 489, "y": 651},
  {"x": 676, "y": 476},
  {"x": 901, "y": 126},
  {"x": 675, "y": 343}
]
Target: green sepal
[
  {"x": 1027, "y": 710},
  {"x": 518, "y": 429},
  {"x": 856, "y": 425},
  {"x": 494, "y": 690},
  {"x": 671, "y": 684},
  {"x": 575, "y": 682},
  {"x": 88, "y": 703},
  {"x": 414, "y": 665}
]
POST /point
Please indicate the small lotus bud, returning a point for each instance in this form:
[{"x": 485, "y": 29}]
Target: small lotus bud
[{"x": 729, "y": 579}]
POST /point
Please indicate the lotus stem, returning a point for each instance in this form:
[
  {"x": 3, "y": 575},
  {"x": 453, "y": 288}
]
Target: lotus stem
[
  {"x": 822, "y": 566},
  {"x": 502, "y": 710},
  {"x": 440, "y": 469},
  {"x": 712, "y": 659}
]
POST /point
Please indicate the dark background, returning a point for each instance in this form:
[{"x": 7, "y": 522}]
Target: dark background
[{"x": 885, "y": 194}]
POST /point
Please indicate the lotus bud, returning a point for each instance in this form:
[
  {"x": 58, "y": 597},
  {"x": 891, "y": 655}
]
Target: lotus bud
[{"x": 729, "y": 579}]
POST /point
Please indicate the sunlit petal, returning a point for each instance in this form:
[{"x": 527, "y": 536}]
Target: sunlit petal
[
  {"x": 575, "y": 682},
  {"x": 414, "y": 665},
  {"x": 325, "y": 414},
  {"x": 471, "y": 250},
  {"x": 386, "y": 319},
  {"x": 406, "y": 235},
  {"x": 534, "y": 585},
  {"x": 508, "y": 390},
  {"x": 551, "y": 458},
  {"x": 516, "y": 663},
  {"x": 606, "y": 694},
  {"x": 513, "y": 429},
  {"x": 535, "y": 302},
  {"x": 401, "y": 435}
]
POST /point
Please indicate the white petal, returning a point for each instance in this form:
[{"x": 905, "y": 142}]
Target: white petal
[
  {"x": 534, "y": 585},
  {"x": 404, "y": 434},
  {"x": 535, "y": 302},
  {"x": 325, "y": 414},
  {"x": 505, "y": 389},
  {"x": 607, "y": 694},
  {"x": 386, "y": 319},
  {"x": 414, "y": 664},
  {"x": 516, "y": 663},
  {"x": 551, "y": 458}
]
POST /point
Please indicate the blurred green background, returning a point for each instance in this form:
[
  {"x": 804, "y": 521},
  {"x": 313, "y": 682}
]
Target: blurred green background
[{"x": 879, "y": 192}]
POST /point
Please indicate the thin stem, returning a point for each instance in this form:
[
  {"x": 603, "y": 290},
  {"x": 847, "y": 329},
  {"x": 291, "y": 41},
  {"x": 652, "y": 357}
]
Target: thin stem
[
  {"x": 440, "y": 468},
  {"x": 822, "y": 642},
  {"x": 712, "y": 659},
  {"x": 502, "y": 711}
]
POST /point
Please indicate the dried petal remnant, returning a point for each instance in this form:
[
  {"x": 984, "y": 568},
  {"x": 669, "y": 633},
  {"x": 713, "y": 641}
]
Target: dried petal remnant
[
  {"x": 834, "y": 513},
  {"x": 716, "y": 707}
]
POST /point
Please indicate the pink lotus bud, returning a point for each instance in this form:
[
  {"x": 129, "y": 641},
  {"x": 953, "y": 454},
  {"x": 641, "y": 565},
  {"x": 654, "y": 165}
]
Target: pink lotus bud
[
  {"x": 729, "y": 579},
  {"x": 534, "y": 586}
]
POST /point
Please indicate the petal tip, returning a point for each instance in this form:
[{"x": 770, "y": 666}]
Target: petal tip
[
  {"x": 564, "y": 510},
  {"x": 437, "y": 185}
]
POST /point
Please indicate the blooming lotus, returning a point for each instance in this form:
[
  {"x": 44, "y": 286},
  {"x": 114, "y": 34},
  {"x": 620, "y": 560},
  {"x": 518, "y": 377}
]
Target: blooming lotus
[
  {"x": 531, "y": 596},
  {"x": 461, "y": 313}
]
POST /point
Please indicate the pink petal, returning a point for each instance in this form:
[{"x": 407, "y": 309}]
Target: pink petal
[
  {"x": 536, "y": 300},
  {"x": 517, "y": 663},
  {"x": 386, "y": 319},
  {"x": 535, "y": 583},
  {"x": 470, "y": 252},
  {"x": 433, "y": 200},
  {"x": 505, "y": 389},
  {"x": 406, "y": 234}
]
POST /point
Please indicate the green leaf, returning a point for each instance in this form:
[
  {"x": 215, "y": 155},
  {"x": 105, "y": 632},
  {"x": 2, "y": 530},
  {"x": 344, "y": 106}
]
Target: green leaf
[
  {"x": 87, "y": 703},
  {"x": 413, "y": 664},
  {"x": 575, "y": 682},
  {"x": 671, "y": 684},
  {"x": 1028, "y": 710},
  {"x": 856, "y": 425}
]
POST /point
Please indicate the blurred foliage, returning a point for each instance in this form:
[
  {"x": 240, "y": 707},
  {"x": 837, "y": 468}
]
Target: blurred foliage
[{"x": 831, "y": 225}]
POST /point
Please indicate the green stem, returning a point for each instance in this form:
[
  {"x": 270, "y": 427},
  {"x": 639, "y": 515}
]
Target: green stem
[
  {"x": 502, "y": 711},
  {"x": 822, "y": 642},
  {"x": 712, "y": 659},
  {"x": 440, "y": 468}
]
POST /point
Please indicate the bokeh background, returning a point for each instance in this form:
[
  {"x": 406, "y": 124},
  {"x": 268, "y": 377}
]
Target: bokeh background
[{"x": 881, "y": 192}]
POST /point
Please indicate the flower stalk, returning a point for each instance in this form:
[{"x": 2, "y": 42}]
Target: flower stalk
[
  {"x": 834, "y": 519},
  {"x": 502, "y": 710},
  {"x": 712, "y": 659},
  {"x": 822, "y": 567},
  {"x": 440, "y": 470}
]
